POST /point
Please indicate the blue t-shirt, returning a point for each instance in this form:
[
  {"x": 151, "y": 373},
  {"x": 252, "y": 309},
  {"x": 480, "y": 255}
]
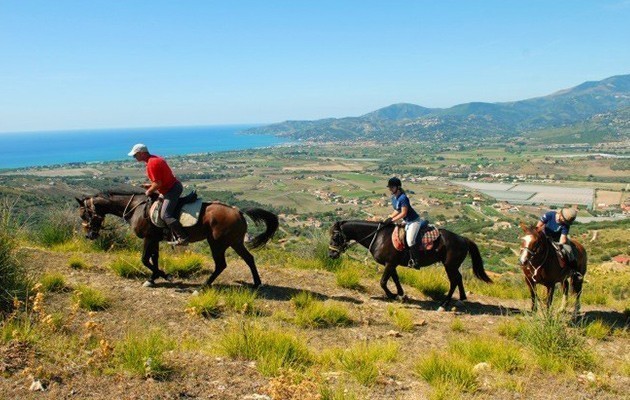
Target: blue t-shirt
[
  {"x": 403, "y": 201},
  {"x": 554, "y": 229}
]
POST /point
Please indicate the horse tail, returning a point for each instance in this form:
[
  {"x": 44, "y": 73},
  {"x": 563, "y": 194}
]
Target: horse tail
[
  {"x": 270, "y": 219},
  {"x": 477, "y": 262}
]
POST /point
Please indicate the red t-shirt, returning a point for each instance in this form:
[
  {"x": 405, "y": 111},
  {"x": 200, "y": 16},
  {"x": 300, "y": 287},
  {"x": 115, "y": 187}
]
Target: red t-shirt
[{"x": 158, "y": 170}]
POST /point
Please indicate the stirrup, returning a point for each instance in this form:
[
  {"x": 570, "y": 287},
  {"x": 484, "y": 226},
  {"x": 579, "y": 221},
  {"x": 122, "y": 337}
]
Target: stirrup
[{"x": 179, "y": 242}]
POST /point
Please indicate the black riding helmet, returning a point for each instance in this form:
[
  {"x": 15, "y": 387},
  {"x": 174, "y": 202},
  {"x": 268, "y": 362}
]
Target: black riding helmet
[{"x": 394, "y": 182}]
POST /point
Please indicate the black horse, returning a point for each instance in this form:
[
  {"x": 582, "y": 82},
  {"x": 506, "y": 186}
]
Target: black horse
[{"x": 377, "y": 238}]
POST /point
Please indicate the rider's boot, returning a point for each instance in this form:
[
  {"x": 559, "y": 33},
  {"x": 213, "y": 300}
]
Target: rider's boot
[
  {"x": 414, "y": 256},
  {"x": 180, "y": 233}
]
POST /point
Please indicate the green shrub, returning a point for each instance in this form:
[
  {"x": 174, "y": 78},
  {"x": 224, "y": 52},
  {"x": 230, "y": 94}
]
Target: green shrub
[
  {"x": 457, "y": 325},
  {"x": 445, "y": 369},
  {"x": 242, "y": 300},
  {"x": 76, "y": 262},
  {"x": 272, "y": 350},
  {"x": 311, "y": 313},
  {"x": 184, "y": 265},
  {"x": 363, "y": 360},
  {"x": 431, "y": 281},
  {"x": 206, "y": 303},
  {"x": 349, "y": 278},
  {"x": 320, "y": 250},
  {"x": 90, "y": 299},
  {"x": 129, "y": 267},
  {"x": 499, "y": 354},
  {"x": 401, "y": 317},
  {"x": 14, "y": 279},
  {"x": 55, "y": 228},
  {"x": 597, "y": 329},
  {"x": 142, "y": 354},
  {"x": 116, "y": 235},
  {"x": 53, "y": 282}
]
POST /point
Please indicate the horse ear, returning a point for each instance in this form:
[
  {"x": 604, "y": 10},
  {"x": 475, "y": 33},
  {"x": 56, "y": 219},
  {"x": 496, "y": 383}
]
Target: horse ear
[
  {"x": 524, "y": 227},
  {"x": 79, "y": 201}
]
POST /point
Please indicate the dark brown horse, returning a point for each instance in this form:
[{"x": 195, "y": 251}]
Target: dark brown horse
[
  {"x": 541, "y": 265},
  {"x": 377, "y": 238},
  {"x": 220, "y": 225}
]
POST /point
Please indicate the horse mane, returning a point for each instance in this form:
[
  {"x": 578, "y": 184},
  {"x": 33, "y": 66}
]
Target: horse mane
[{"x": 110, "y": 193}]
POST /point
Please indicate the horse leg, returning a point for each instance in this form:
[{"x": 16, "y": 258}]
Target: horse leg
[
  {"x": 150, "y": 257},
  {"x": 454, "y": 278},
  {"x": 531, "y": 285},
  {"x": 400, "y": 292},
  {"x": 565, "y": 295},
  {"x": 576, "y": 284},
  {"x": 242, "y": 251},
  {"x": 550, "y": 290},
  {"x": 386, "y": 274},
  {"x": 218, "y": 255}
]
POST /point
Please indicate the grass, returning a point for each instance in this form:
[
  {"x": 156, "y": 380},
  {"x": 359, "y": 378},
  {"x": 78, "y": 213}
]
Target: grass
[
  {"x": 431, "y": 281},
  {"x": 242, "y": 300},
  {"x": 54, "y": 229},
  {"x": 597, "y": 329},
  {"x": 206, "y": 304},
  {"x": 272, "y": 350},
  {"x": 457, "y": 325},
  {"x": 500, "y": 354},
  {"x": 90, "y": 299},
  {"x": 557, "y": 346},
  {"x": 18, "y": 327},
  {"x": 129, "y": 267},
  {"x": 311, "y": 313},
  {"x": 401, "y": 317},
  {"x": 14, "y": 279},
  {"x": 447, "y": 370},
  {"x": 349, "y": 278},
  {"x": 142, "y": 354},
  {"x": 183, "y": 266},
  {"x": 364, "y": 361},
  {"x": 76, "y": 262},
  {"x": 53, "y": 282}
]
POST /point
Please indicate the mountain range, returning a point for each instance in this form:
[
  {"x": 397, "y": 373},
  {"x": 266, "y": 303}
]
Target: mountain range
[{"x": 600, "y": 106}]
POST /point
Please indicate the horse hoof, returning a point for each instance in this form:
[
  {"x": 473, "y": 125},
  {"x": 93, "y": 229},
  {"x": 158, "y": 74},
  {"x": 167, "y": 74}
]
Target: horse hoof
[
  {"x": 402, "y": 298},
  {"x": 148, "y": 284},
  {"x": 441, "y": 309},
  {"x": 168, "y": 278}
]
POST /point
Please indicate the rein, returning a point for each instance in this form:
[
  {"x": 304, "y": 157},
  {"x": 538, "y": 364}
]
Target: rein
[
  {"x": 345, "y": 246},
  {"x": 542, "y": 263},
  {"x": 128, "y": 213}
]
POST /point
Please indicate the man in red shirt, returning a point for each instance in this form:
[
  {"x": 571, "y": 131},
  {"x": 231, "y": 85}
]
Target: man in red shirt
[{"x": 164, "y": 182}]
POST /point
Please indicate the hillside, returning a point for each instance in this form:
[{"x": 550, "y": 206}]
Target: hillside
[{"x": 475, "y": 119}]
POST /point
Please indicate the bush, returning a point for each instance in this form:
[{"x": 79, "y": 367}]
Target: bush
[
  {"x": 311, "y": 313},
  {"x": 205, "y": 304},
  {"x": 439, "y": 369},
  {"x": 401, "y": 317},
  {"x": 499, "y": 354},
  {"x": 273, "y": 350},
  {"x": 241, "y": 300},
  {"x": 90, "y": 299},
  {"x": 555, "y": 344},
  {"x": 129, "y": 267},
  {"x": 597, "y": 329},
  {"x": 53, "y": 282},
  {"x": 115, "y": 235},
  {"x": 431, "y": 281},
  {"x": 349, "y": 278},
  {"x": 320, "y": 252},
  {"x": 142, "y": 354},
  {"x": 55, "y": 228},
  {"x": 76, "y": 262},
  {"x": 363, "y": 360},
  {"x": 14, "y": 280},
  {"x": 457, "y": 325},
  {"x": 183, "y": 266}
]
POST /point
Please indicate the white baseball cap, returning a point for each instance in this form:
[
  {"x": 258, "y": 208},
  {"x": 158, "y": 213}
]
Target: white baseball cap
[{"x": 138, "y": 148}]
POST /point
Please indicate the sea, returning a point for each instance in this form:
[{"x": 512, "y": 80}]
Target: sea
[{"x": 31, "y": 149}]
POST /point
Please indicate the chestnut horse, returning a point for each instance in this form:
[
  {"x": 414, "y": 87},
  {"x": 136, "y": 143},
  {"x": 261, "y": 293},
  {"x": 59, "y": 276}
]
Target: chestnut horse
[
  {"x": 540, "y": 264},
  {"x": 377, "y": 238},
  {"x": 220, "y": 225}
]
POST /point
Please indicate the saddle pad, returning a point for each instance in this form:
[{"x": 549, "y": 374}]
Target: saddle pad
[
  {"x": 188, "y": 216},
  {"x": 427, "y": 238}
]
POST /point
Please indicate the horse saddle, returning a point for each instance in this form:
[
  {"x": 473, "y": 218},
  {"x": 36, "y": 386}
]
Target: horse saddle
[
  {"x": 426, "y": 239},
  {"x": 188, "y": 210}
]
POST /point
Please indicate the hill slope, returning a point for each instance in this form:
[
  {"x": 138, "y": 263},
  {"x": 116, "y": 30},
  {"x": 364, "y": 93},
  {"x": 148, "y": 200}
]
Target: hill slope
[{"x": 475, "y": 119}]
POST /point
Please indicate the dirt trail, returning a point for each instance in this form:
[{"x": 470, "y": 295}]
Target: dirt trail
[{"x": 200, "y": 373}]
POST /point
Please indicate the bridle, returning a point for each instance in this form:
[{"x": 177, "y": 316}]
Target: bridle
[
  {"x": 94, "y": 219},
  {"x": 345, "y": 245},
  {"x": 533, "y": 254}
]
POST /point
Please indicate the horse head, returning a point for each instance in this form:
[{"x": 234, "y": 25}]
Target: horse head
[
  {"x": 92, "y": 219},
  {"x": 531, "y": 243},
  {"x": 338, "y": 241}
]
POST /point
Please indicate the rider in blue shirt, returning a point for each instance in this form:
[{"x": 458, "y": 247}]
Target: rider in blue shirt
[
  {"x": 556, "y": 225},
  {"x": 404, "y": 211}
]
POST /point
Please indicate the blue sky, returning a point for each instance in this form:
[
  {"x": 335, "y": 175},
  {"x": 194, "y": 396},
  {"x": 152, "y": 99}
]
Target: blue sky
[{"x": 94, "y": 64}]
